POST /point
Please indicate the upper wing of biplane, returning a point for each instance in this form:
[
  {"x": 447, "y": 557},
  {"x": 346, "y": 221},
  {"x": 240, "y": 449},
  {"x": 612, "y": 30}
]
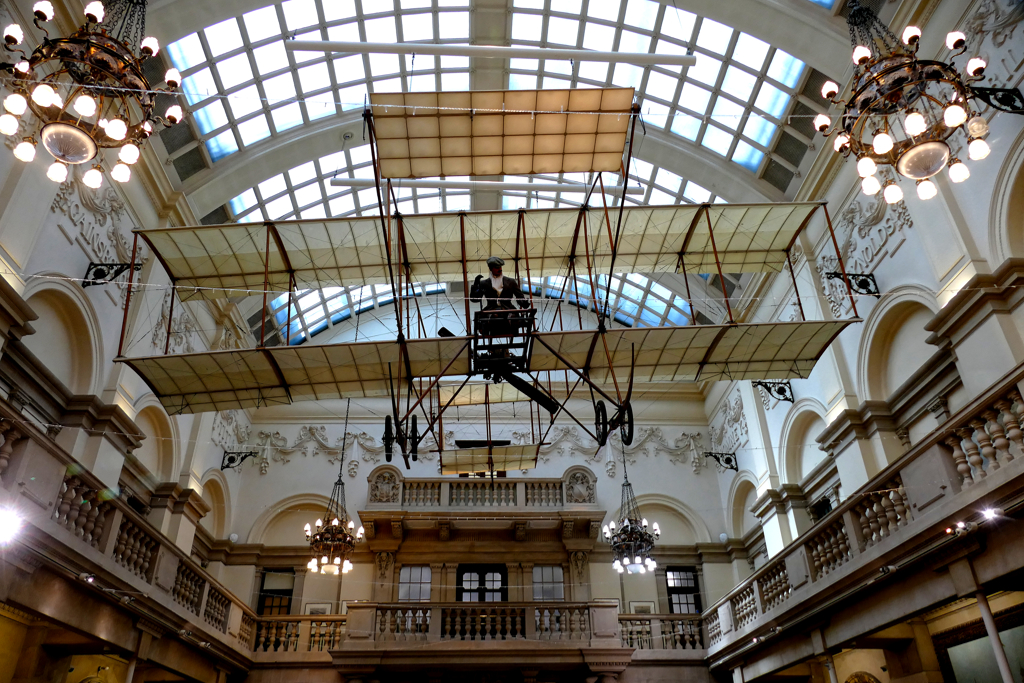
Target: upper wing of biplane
[
  {"x": 218, "y": 261},
  {"x": 221, "y": 380}
]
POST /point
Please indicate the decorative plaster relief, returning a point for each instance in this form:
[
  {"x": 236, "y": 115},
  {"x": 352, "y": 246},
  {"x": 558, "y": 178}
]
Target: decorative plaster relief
[
  {"x": 95, "y": 218},
  {"x": 990, "y": 30},
  {"x": 183, "y": 329},
  {"x": 873, "y": 230},
  {"x": 579, "y": 560},
  {"x": 313, "y": 441},
  {"x": 729, "y": 426},
  {"x": 384, "y": 562},
  {"x": 231, "y": 429}
]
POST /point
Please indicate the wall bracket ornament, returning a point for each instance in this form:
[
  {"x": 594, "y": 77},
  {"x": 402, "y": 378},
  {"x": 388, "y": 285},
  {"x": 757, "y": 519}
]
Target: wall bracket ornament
[
  {"x": 860, "y": 283},
  {"x": 98, "y": 274},
  {"x": 780, "y": 390},
  {"x": 233, "y": 459},
  {"x": 724, "y": 461}
]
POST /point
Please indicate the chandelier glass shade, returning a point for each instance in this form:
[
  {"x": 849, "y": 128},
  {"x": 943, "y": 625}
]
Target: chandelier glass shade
[
  {"x": 86, "y": 91},
  {"x": 631, "y": 539},
  {"x": 902, "y": 111},
  {"x": 331, "y": 544}
]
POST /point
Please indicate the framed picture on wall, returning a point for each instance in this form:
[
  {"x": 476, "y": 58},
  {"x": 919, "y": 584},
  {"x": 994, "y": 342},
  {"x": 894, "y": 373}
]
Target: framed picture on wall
[
  {"x": 641, "y": 607},
  {"x": 318, "y": 609}
]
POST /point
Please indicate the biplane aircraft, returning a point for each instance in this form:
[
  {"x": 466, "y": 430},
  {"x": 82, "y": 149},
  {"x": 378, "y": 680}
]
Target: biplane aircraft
[{"x": 502, "y": 355}]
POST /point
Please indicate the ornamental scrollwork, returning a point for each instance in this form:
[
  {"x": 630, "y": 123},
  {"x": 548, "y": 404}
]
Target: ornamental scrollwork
[
  {"x": 384, "y": 488},
  {"x": 580, "y": 488}
]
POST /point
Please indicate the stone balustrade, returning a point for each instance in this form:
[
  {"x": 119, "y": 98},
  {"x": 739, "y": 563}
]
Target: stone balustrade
[
  {"x": 390, "y": 490},
  {"x": 661, "y": 631},
  {"x": 299, "y": 633},
  {"x": 85, "y": 518},
  {"x": 972, "y": 452}
]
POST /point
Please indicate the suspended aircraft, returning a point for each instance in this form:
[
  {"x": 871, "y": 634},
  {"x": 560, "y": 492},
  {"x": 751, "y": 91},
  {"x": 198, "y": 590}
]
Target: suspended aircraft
[{"x": 503, "y": 355}]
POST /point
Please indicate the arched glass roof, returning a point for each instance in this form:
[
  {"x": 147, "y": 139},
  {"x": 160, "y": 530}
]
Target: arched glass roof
[
  {"x": 305, "y": 191},
  {"x": 243, "y": 86}
]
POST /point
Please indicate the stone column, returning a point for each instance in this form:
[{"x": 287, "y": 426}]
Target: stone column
[
  {"x": 527, "y": 586},
  {"x": 993, "y": 637},
  {"x": 515, "y": 581},
  {"x": 437, "y": 582}
]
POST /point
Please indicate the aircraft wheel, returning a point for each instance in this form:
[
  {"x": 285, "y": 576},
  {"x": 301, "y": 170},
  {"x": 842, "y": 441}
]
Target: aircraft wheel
[
  {"x": 414, "y": 439},
  {"x": 626, "y": 423},
  {"x": 601, "y": 423},
  {"x": 389, "y": 439}
]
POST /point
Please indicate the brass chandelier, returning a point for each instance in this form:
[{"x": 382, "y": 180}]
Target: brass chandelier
[
  {"x": 631, "y": 540},
  {"x": 902, "y": 111},
  {"x": 86, "y": 91},
  {"x": 331, "y": 544}
]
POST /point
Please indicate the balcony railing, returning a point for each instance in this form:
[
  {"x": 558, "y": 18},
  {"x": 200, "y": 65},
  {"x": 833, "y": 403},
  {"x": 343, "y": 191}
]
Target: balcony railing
[
  {"x": 122, "y": 547},
  {"x": 299, "y": 633},
  {"x": 969, "y": 455},
  {"x": 661, "y": 631},
  {"x": 389, "y": 490}
]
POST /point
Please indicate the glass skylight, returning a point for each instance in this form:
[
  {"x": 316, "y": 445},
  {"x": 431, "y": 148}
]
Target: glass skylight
[
  {"x": 737, "y": 79},
  {"x": 305, "y": 191},
  {"x": 243, "y": 87}
]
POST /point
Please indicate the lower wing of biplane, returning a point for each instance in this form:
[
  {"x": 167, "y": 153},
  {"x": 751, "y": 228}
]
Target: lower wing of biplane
[{"x": 251, "y": 378}]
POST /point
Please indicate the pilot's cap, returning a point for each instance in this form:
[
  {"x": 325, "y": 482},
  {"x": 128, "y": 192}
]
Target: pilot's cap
[{"x": 495, "y": 262}]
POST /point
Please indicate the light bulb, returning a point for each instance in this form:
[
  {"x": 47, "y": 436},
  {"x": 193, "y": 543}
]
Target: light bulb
[
  {"x": 15, "y": 104},
  {"x": 954, "y": 115},
  {"x": 604, "y": 530},
  {"x": 58, "y": 172},
  {"x": 147, "y": 128},
  {"x": 861, "y": 54},
  {"x": 976, "y": 66},
  {"x": 977, "y": 127},
  {"x": 324, "y": 560},
  {"x": 13, "y": 34},
  {"x": 978, "y": 150},
  {"x": 116, "y": 129},
  {"x": 10, "y": 524},
  {"x": 866, "y": 167},
  {"x": 346, "y": 567},
  {"x": 915, "y": 123},
  {"x": 312, "y": 566},
  {"x": 641, "y": 570},
  {"x": 8, "y": 124},
  {"x": 644, "y": 523},
  {"x": 636, "y": 560},
  {"x": 620, "y": 569},
  {"x": 911, "y": 35},
  {"x": 822, "y": 122},
  {"x": 85, "y": 105},
  {"x": 926, "y": 189},
  {"x": 93, "y": 177},
  {"x": 829, "y": 90},
  {"x": 43, "y": 10},
  {"x": 656, "y": 529},
  {"x": 870, "y": 186},
  {"x": 319, "y": 523},
  {"x": 892, "y": 193},
  {"x": 360, "y": 531},
  {"x": 149, "y": 46},
  {"x": 173, "y": 113},
  {"x": 58, "y": 101},
  {"x": 307, "y": 529},
  {"x": 334, "y": 522},
  {"x": 611, "y": 525},
  {"x": 841, "y": 143},
  {"x": 25, "y": 151},
  {"x": 23, "y": 67},
  {"x": 958, "y": 171},
  {"x": 129, "y": 154},
  {"x": 882, "y": 143},
  {"x": 94, "y": 12},
  {"x": 43, "y": 95},
  {"x": 122, "y": 173},
  {"x": 955, "y": 40},
  {"x": 337, "y": 560},
  {"x": 351, "y": 524},
  {"x": 172, "y": 78},
  {"x": 654, "y": 565}
]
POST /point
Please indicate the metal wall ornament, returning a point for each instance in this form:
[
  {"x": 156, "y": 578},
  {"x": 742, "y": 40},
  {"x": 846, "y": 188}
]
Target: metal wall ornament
[
  {"x": 105, "y": 273},
  {"x": 902, "y": 110},
  {"x": 780, "y": 390},
  {"x": 861, "y": 283},
  {"x": 723, "y": 461},
  {"x": 331, "y": 544},
  {"x": 87, "y": 91},
  {"x": 232, "y": 459},
  {"x": 631, "y": 540}
]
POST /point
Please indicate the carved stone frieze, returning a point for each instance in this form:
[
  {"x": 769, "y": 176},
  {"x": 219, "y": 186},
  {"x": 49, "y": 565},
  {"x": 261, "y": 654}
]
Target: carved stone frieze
[
  {"x": 568, "y": 529},
  {"x": 397, "y": 531},
  {"x": 579, "y": 560},
  {"x": 384, "y": 563},
  {"x": 444, "y": 530},
  {"x": 520, "y": 531},
  {"x": 580, "y": 488},
  {"x": 384, "y": 488}
]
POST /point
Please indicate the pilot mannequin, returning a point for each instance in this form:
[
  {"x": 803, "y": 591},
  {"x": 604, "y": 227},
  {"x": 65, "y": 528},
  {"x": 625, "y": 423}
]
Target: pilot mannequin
[{"x": 497, "y": 289}]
